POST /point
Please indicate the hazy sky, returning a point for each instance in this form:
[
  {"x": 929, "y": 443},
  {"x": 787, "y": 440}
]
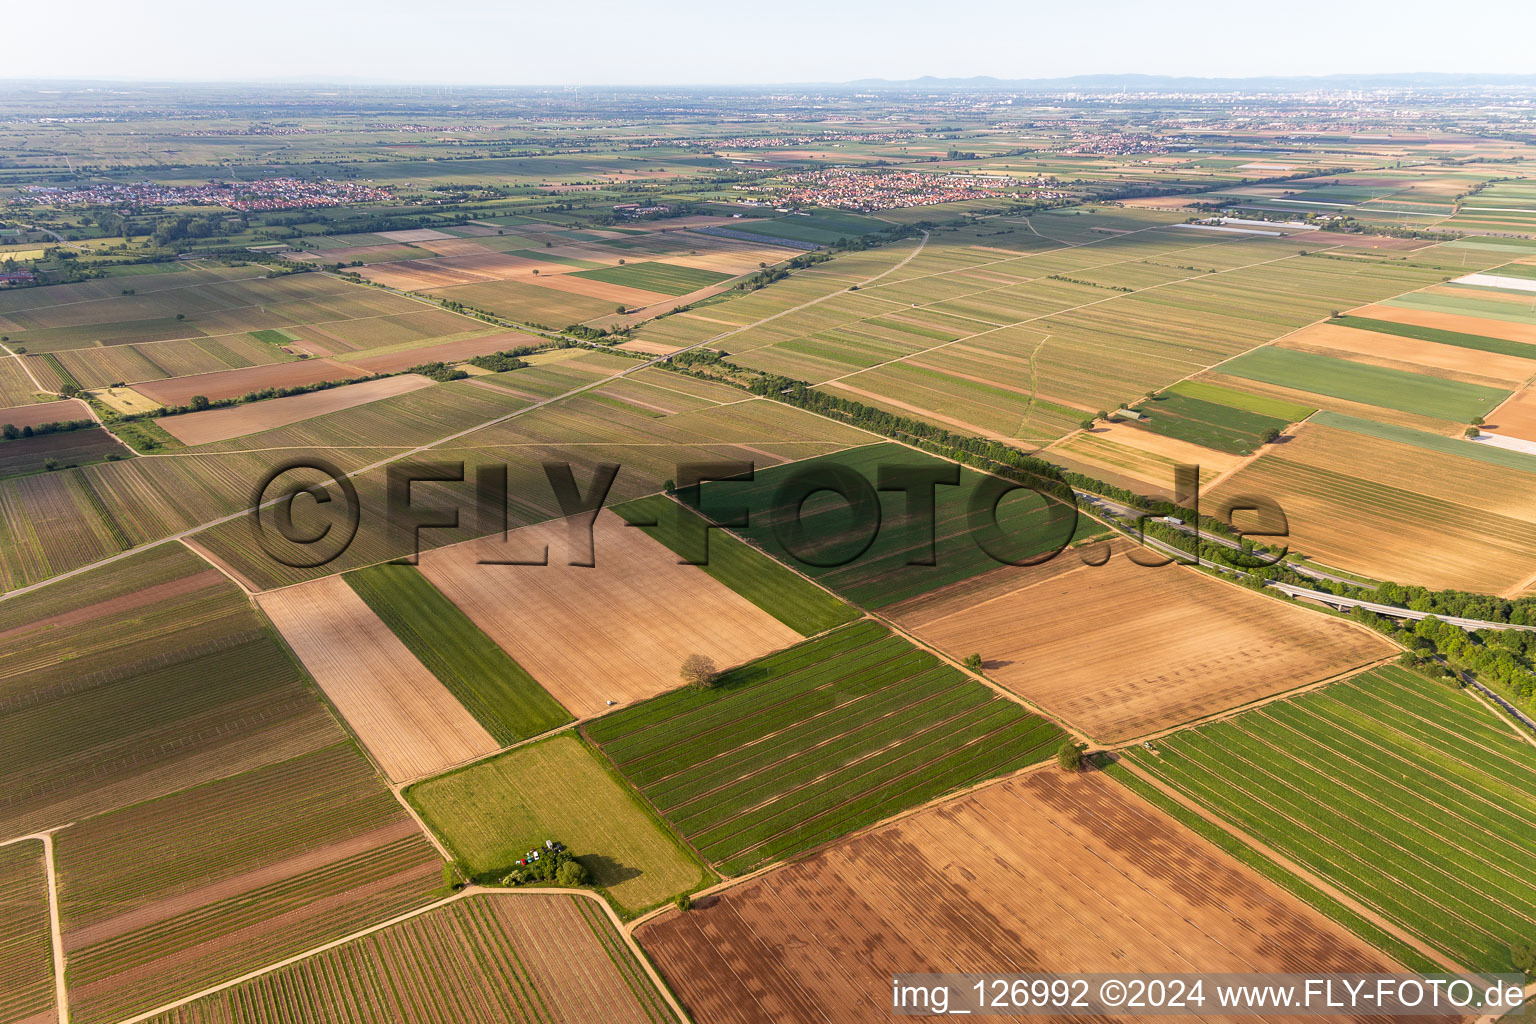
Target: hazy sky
[{"x": 710, "y": 41}]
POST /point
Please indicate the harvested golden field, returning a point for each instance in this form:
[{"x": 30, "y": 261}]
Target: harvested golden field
[
  {"x": 407, "y": 719},
  {"x": 234, "y": 383},
  {"x": 614, "y": 633},
  {"x": 1427, "y": 357},
  {"x": 1399, "y": 511},
  {"x": 239, "y": 420},
  {"x": 1046, "y": 873},
  {"x": 1123, "y": 650}
]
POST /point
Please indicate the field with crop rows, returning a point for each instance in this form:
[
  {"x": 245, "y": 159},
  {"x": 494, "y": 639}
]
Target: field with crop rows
[
  {"x": 246, "y": 870},
  {"x": 656, "y": 277},
  {"x": 1390, "y": 508},
  {"x": 522, "y": 958},
  {"x": 1476, "y": 342},
  {"x": 64, "y": 450},
  {"x": 834, "y": 530},
  {"x": 1367, "y": 384},
  {"x": 136, "y": 680},
  {"x": 503, "y": 698},
  {"x": 409, "y": 721},
  {"x": 613, "y": 630},
  {"x": 1404, "y": 793},
  {"x": 490, "y": 814},
  {"x": 981, "y": 881},
  {"x": 1211, "y": 424},
  {"x": 814, "y": 742},
  {"x": 583, "y": 431},
  {"x": 800, "y": 605},
  {"x": 26, "y": 966},
  {"x": 1178, "y": 645},
  {"x": 1024, "y": 337}
]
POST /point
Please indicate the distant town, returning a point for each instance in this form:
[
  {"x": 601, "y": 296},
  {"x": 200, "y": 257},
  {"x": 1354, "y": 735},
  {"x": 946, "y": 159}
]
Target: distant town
[{"x": 267, "y": 194}]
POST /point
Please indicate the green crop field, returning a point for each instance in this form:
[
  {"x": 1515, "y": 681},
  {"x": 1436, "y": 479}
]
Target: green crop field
[
  {"x": 490, "y": 814},
  {"x": 814, "y": 742},
  {"x": 800, "y": 605},
  {"x": 1290, "y": 412},
  {"x": 881, "y": 575},
  {"x": 1207, "y": 423},
  {"x": 491, "y": 686},
  {"x": 1460, "y": 340},
  {"x": 1403, "y": 793},
  {"x": 1370, "y": 385},
  {"x": 667, "y": 278}
]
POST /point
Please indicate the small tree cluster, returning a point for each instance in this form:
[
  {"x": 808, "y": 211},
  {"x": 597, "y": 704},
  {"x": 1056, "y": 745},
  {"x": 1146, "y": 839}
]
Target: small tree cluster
[
  {"x": 1069, "y": 756},
  {"x": 550, "y": 863}
]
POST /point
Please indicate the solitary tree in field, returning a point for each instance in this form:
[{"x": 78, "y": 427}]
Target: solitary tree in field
[
  {"x": 683, "y": 902},
  {"x": 1473, "y": 432},
  {"x": 1477, "y": 421},
  {"x": 973, "y": 662},
  {"x": 699, "y": 671},
  {"x": 1270, "y": 436},
  {"x": 1069, "y": 756},
  {"x": 618, "y": 309}
]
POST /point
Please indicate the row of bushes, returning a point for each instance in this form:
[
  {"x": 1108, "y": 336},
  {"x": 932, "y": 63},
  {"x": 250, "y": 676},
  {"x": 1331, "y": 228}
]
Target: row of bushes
[{"x": 11, "y": 432}]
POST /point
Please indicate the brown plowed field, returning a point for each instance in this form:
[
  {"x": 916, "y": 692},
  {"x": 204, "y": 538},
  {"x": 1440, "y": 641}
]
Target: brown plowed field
[
  {"x": 1122, "y": 650},
  {"x": 234, "y": 383},
  {"x": 1044, "y": 873},
  {"x": 407, "y": 719},
  {"x": 46, "y": 412},
  {"x": 239, "y": 420},
  {"x": 618, "y": 631},
  {"x": 1516, "y": 417}
]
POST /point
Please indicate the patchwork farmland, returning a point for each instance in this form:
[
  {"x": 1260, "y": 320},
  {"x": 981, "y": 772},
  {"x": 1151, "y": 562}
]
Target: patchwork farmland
[
  {"x": 815, "y": 742},
  {"x": 1078, "y": 856},
  {"x": 522, "y": 959},
  {"x": 656, "y": 611},
  {"x": 238, "y": 784},
  {"x": 409, "y": 721},
  {"x": 865, "y": 553},
  {"x": 490, "y": 814},
  {"x": 1401, "y": 792}
]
